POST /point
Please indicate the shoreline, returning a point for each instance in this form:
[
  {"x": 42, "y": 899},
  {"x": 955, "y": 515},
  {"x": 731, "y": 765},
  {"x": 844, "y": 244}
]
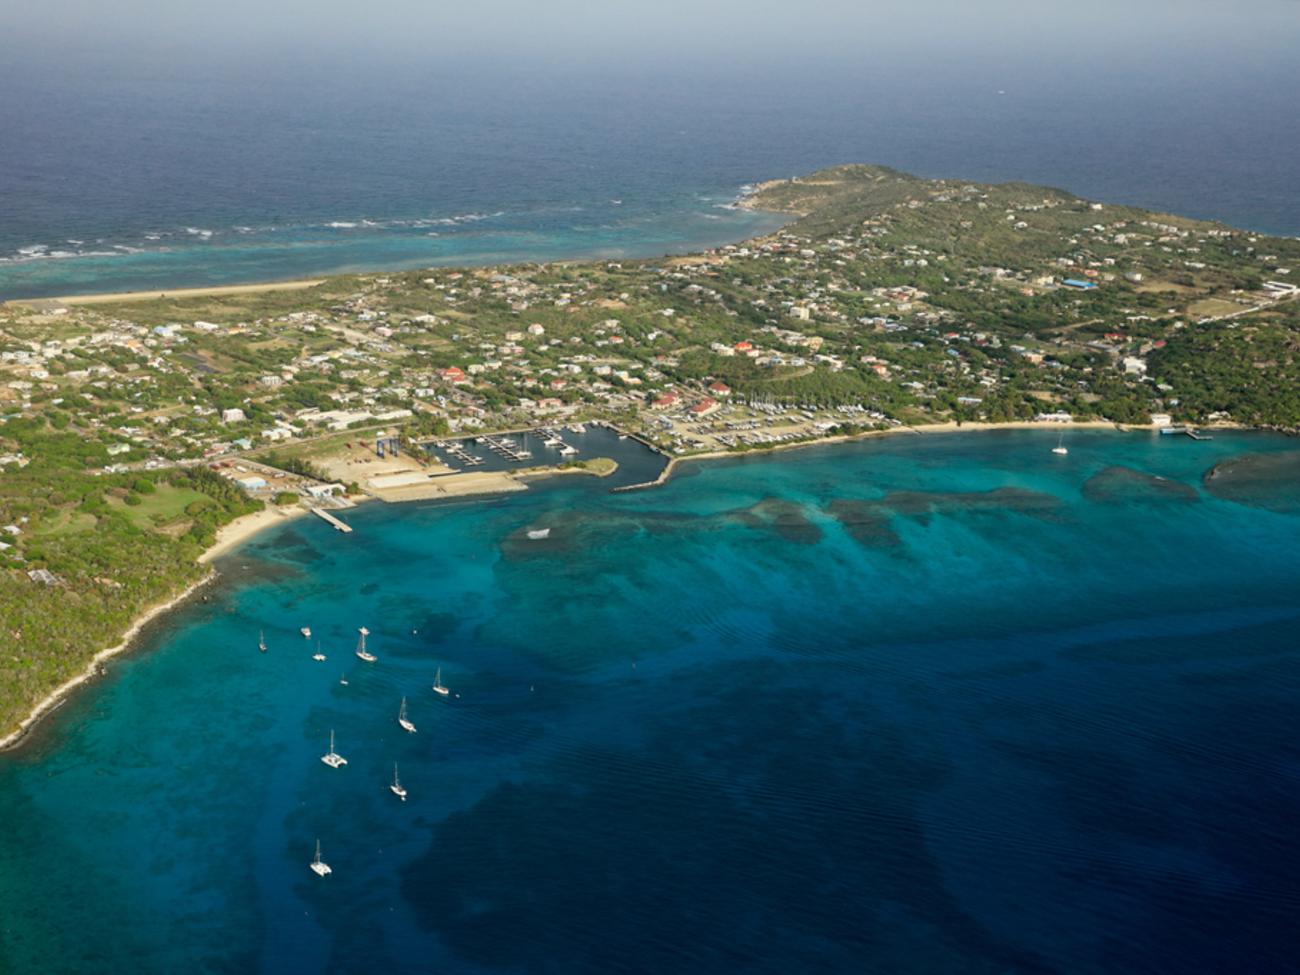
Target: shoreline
[
  {"x": 229, "y": 536},
  {"x": 243, "y": 528},
  {"x": 298, "y": 284},
  {"x": 246, "y": 527},
  {"x": 950, "y": 426},
  {"x": 94, "y": 668},
  {"x": 213, "y": 291}
]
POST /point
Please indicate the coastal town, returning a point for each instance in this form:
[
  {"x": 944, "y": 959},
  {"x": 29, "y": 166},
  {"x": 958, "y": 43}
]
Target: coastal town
[{"x": 888, "y": 302}]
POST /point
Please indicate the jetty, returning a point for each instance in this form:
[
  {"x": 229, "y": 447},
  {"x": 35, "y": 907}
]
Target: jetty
[{"x": 338, "y": 525}]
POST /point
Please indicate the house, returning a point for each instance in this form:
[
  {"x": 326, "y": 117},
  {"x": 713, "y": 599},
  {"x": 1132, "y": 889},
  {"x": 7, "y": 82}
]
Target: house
[
  {"x": 234, "y": 415},
  {"x": 719, "y": 389},
  {"x": 666, "y": 401},
  {"x": 704, "y": 407}
]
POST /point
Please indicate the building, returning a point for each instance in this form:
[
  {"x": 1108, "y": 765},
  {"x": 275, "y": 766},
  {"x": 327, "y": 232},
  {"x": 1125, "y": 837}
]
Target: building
[
  {"x": 251, "y": 482},
  {"x": 704, "y": 407},
  {"x": 235, "y": 415}
]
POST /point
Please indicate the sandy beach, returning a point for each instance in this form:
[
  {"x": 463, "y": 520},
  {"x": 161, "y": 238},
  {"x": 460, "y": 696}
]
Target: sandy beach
[
  {"x": 213, "y": 292},
  {"x": 242, "y": 529}
]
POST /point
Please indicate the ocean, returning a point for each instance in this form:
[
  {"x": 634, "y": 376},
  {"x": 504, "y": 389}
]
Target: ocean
[
  {"x": 158, "y": 176},
  {"x": 919, "y": 704}
]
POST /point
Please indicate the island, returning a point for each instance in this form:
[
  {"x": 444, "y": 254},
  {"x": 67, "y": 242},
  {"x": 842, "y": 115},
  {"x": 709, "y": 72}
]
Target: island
[{"x": 140, "y": 435}]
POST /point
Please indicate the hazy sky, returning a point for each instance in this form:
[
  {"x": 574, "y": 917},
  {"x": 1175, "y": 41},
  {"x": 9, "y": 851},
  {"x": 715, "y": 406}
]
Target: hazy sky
[{"x": 666, "y": 33}]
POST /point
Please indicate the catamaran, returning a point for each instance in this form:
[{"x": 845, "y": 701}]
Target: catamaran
[
  {"x": 437, "y": 684},
  {"x": 261, "y": 640},
  {"x": 318, "y": 655},
  {"x": 362, "y": 652},
  {"x": 318, "y": 866},
  {"x": 397, "y": 788},
  {"x": 1060, "y": 447},
  {"x": 306, "y": 632},
  {"x": 403, "y": 720},
  {"x": 332, "y": 758}
]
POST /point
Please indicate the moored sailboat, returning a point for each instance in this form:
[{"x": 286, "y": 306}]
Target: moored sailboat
[
  {"x": 403, "y": 720},
  {"x": 362, "y": 652},
  {"x": 437, "y": 684},
  {"x": 397, "y": 788},
  {"x": 332, "y": 758},
  {"x": 318, "y": 866}
]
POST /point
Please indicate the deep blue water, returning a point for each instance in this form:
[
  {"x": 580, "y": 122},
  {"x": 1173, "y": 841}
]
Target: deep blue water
[
  {"x": 170, "y": 175},
  {"x": 933, "y": 704}
]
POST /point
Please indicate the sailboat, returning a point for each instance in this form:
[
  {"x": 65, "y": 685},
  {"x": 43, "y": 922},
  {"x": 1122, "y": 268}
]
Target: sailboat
[
  {"x": 403, "y": 720},
  {"x": 318, "y": 866},
  {"x": 261, "y": 640},
  {"x": 1060, "y": 447},
  {"x": 332, "y": 758},
  {"x": 397, "y": 788},
  {"x": 362, "y": 652},
  {"x": 344, "y": 680},
  {"x": 437, "y": 684},
  {"x": 318, "y": 655}
]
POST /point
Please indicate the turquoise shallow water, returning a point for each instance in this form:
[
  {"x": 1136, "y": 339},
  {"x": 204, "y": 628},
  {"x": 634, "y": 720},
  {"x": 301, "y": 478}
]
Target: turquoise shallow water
[{"x": 948, "y": 703}]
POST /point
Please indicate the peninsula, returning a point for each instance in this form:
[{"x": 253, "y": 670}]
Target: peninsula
[{"x": 133, "y": 429}]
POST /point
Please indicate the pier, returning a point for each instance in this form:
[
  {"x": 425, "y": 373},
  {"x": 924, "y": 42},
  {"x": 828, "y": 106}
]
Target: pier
[{"x": 338, "y": 525}]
